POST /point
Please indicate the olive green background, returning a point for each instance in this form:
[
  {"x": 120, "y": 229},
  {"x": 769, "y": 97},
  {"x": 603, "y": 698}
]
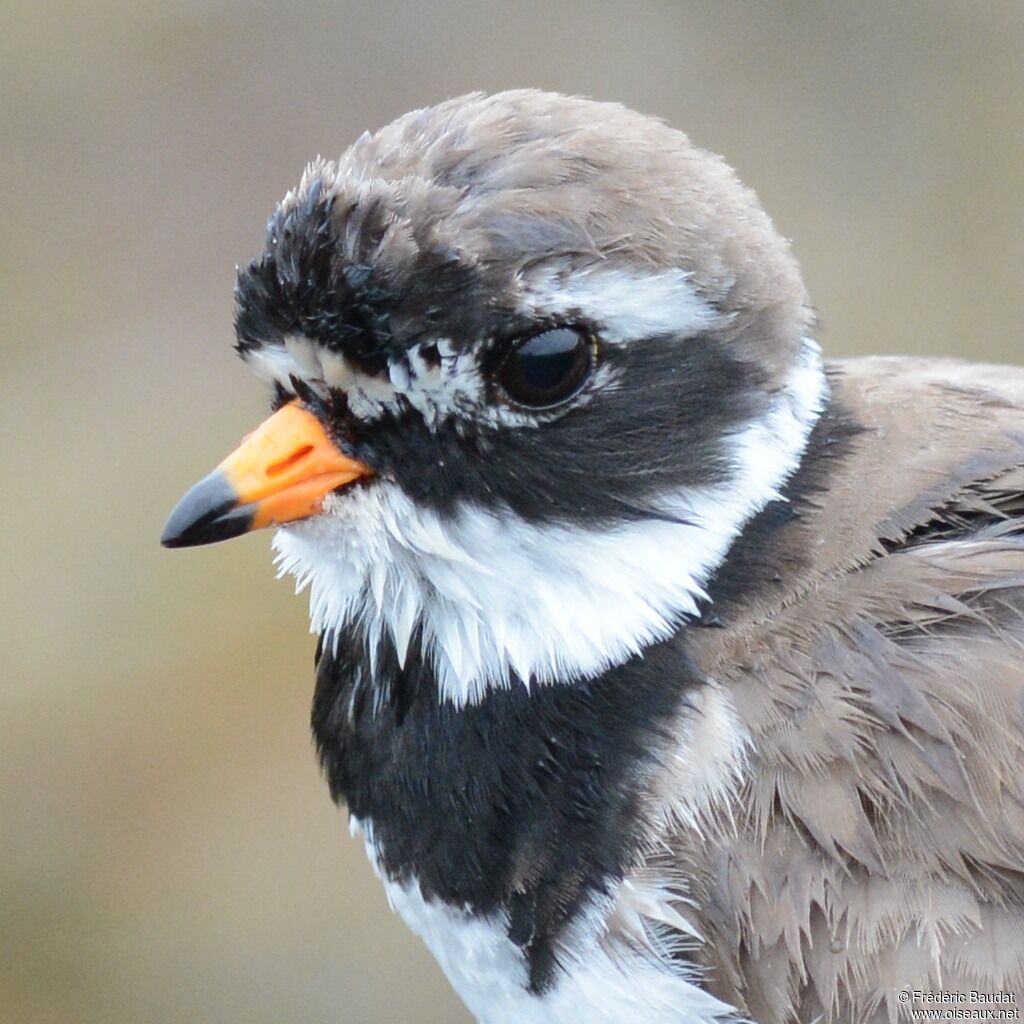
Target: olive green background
[{"x": 167, "y": 850}]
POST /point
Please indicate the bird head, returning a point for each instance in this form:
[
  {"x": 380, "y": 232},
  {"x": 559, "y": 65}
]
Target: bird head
[{"x": 535, "y": 362}]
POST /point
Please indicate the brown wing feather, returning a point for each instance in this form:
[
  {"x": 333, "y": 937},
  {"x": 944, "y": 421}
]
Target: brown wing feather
[{"x": 878, "y": 841}]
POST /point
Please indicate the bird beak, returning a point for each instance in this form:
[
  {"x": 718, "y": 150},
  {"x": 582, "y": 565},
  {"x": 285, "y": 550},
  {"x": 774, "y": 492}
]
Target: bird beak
[{"x": 279, "y": 473}]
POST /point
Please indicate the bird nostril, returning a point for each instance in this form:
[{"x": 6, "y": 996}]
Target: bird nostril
[{"x": 296, "y": 456}]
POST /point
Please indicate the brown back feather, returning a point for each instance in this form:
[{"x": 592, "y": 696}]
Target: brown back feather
[{"x": 879, "y": 837}]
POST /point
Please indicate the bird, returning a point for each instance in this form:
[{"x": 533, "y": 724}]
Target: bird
[{"x": 670, "y": 672}]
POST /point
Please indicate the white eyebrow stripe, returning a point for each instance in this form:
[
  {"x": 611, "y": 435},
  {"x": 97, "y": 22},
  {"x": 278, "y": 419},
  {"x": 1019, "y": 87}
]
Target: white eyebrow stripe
[{"x": 625, "y": 305}]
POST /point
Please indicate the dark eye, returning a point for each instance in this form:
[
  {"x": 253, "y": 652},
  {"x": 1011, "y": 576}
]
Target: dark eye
[{"x": 548, "y": 368}]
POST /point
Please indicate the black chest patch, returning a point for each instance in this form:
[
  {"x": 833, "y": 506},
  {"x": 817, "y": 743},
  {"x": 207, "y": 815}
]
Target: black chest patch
[{"x": 527, "y": 803}]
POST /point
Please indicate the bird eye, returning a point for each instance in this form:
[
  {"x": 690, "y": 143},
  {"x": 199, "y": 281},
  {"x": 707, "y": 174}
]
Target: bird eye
[{"x": 547, "y": 369}]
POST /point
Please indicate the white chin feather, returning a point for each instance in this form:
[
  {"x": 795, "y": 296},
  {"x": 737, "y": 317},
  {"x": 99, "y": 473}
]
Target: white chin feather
[{"x": 498, "y": 598}]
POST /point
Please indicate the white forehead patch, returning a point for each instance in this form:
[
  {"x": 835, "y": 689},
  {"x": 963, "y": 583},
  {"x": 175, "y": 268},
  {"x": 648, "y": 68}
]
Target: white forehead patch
[
  {"x": 498, "y": 598},
  {"x": 444, "y": 383},
  {"x": 624, "y": 305}
]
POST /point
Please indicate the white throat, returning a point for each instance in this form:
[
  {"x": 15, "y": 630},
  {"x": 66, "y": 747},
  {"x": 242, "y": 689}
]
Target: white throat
[{"x": 498, "y": 598}]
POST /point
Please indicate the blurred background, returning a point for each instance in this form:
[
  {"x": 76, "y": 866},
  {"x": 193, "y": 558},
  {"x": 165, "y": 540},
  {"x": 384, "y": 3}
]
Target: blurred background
[{"x": 168, "y": 852}]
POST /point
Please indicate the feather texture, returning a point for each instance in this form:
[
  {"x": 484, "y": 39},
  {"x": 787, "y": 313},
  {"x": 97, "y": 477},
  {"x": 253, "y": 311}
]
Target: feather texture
[{"x": 877, "y": 840}]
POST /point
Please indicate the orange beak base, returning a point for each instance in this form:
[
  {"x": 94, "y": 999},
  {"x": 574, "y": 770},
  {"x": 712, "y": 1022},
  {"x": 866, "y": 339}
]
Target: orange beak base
[{"x": 279, "y": 473}]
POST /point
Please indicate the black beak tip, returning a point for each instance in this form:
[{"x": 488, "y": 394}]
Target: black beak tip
[{"x": 207, "y": 513}]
